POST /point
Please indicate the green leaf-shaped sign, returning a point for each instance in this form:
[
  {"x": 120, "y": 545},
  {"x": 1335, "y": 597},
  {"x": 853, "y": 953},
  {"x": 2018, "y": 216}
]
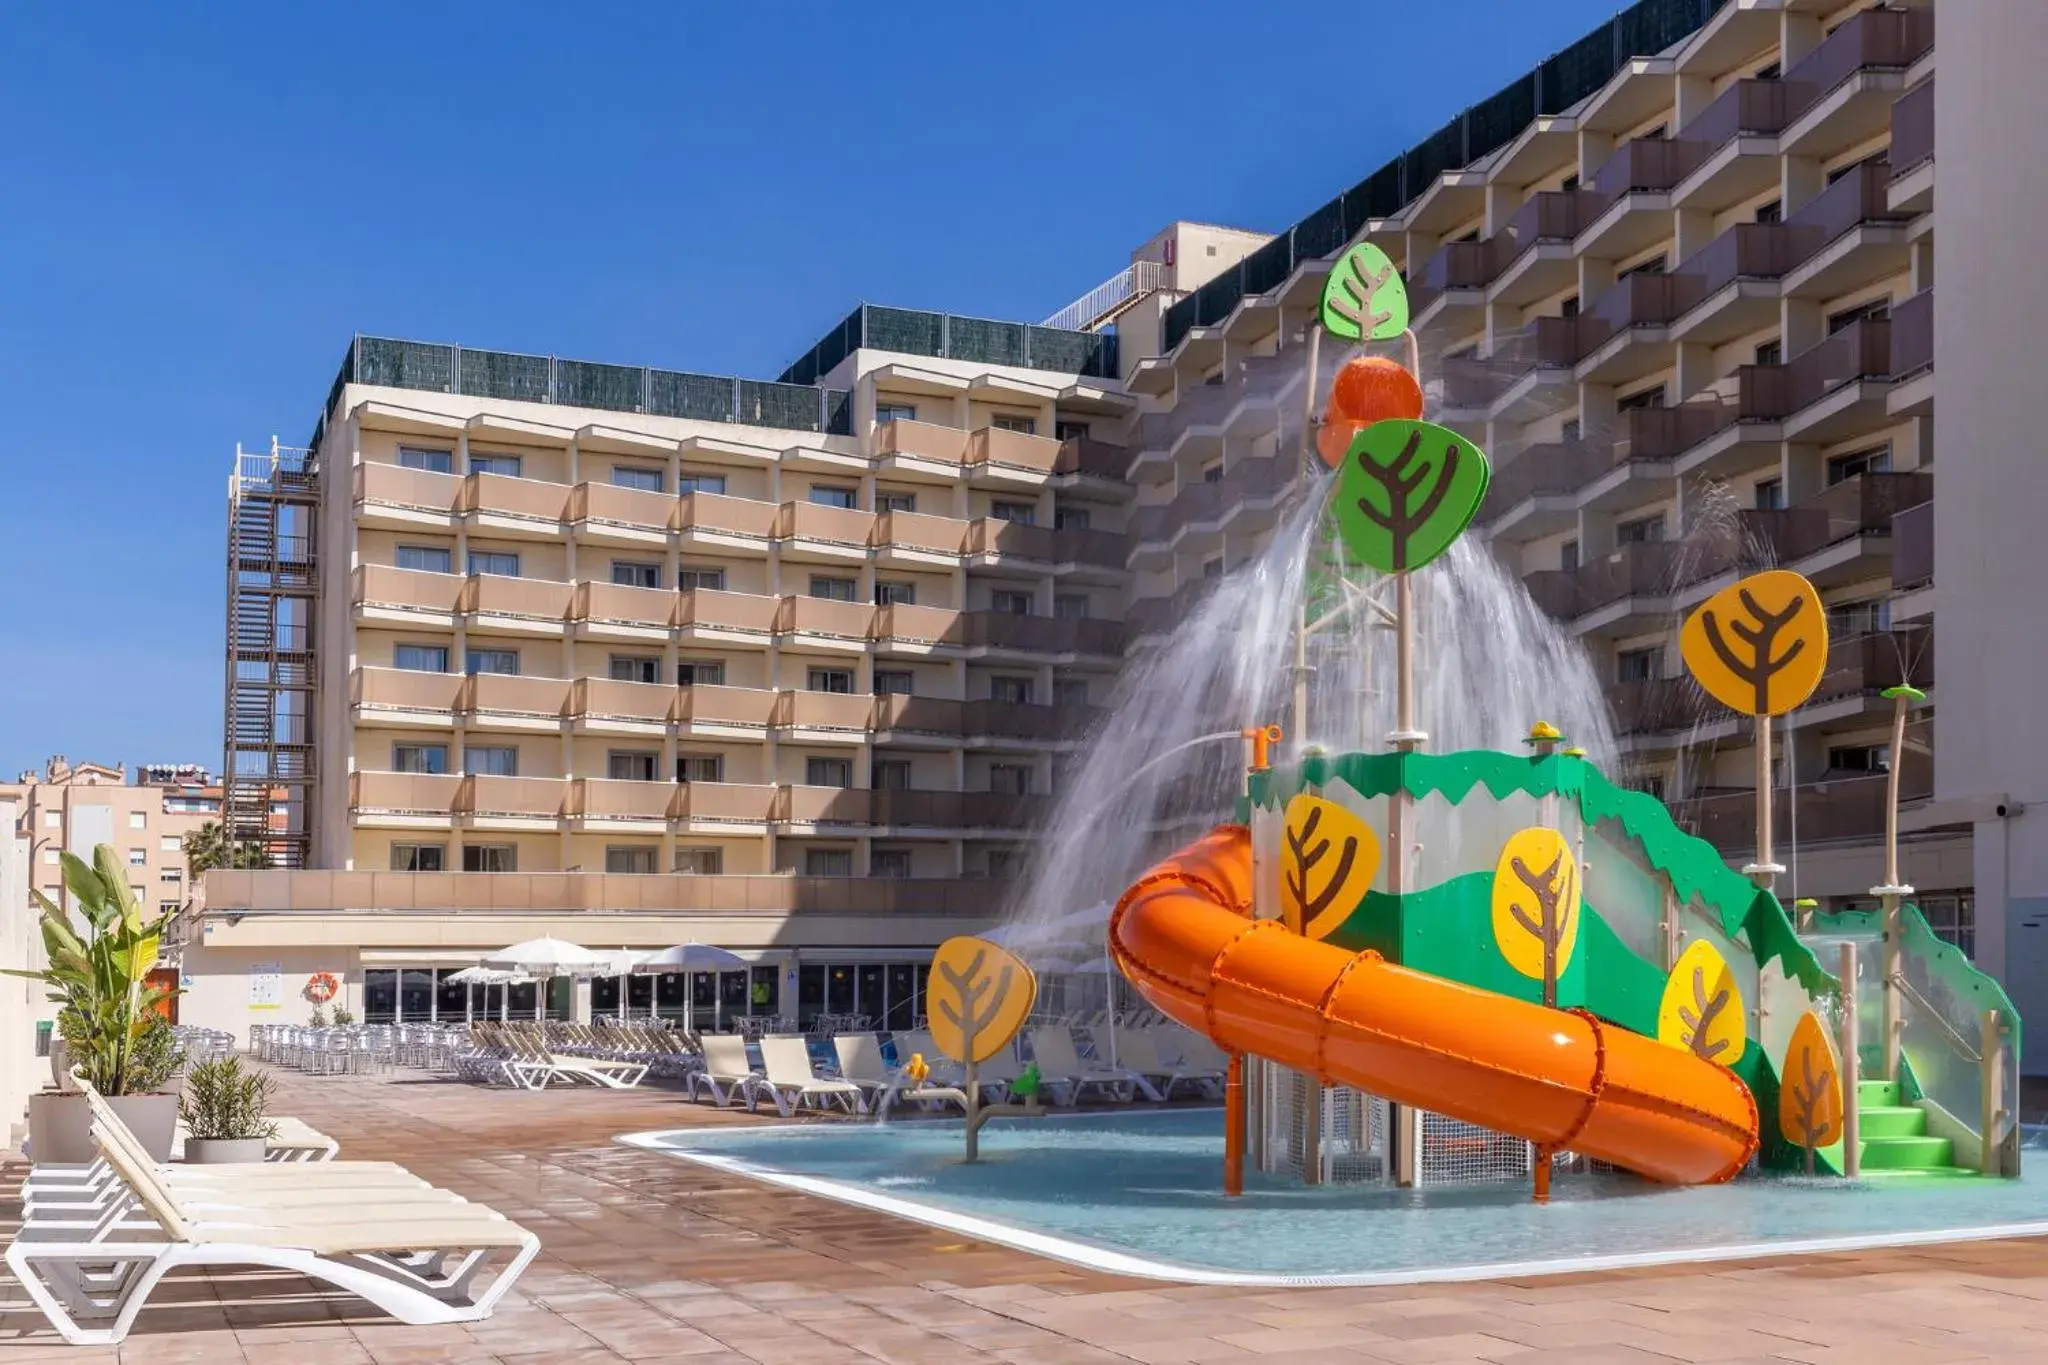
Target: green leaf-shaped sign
[
  {"x": 1364, "y": 298},
  {"x": 1408, "y": 490}
]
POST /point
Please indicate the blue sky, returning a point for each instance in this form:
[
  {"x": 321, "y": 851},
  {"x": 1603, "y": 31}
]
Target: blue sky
[{"x": 205, "y": 202}]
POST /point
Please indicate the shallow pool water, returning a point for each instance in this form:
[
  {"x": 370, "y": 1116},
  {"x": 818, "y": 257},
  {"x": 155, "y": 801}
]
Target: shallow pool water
[{"x": 1140, "y": 1192}]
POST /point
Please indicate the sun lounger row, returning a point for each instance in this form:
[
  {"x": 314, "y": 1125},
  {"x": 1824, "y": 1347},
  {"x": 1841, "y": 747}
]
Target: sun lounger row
[{"x": 95, "y": 1240}]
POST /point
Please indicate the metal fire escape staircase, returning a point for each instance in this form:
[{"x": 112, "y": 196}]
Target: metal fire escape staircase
[{"x": 273, "y": 585}]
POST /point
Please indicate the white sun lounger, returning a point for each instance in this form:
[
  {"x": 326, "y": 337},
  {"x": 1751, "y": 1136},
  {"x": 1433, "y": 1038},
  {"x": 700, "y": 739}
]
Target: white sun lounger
[
  {"x": 727, "y": 1073},
  {"x": 1139, "y": 1050},
  {"x": 793, "y": 1085},
  {"x": 1059, "y": 1063},
  {"x": 862, "y": 1064}
]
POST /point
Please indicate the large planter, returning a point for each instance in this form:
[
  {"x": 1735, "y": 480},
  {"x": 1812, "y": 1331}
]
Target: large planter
[
  {"x": 60, "y": 1065},
  {"x": 60, "y": 1126},
  {"x": 222, "y": 1151}
]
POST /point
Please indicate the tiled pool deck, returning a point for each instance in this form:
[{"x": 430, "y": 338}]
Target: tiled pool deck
[{"x": 648, "y": 1258}]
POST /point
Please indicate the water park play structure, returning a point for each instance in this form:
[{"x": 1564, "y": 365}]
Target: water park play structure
[{"x": 1403, "y": 950}]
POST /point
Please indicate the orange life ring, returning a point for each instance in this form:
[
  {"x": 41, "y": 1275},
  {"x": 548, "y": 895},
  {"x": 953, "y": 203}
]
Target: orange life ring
[{"x": 322, "y": 987}]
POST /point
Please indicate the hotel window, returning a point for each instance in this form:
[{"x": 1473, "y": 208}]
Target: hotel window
[
  {"x": 425, "y": 558},
  {"x": 828, "y": 495},
  {"x": 1842, "y": 468},
  {"x": 640, "y": 668},
  {"x": 834, "y": 589},
  {"x": 52, "y": 857},
  {"x": 1874, "y": 311},
  {"x": 1568, "y": 556},
  {"x": 503, "y": 563},
  {"x": 1652, "y": 397},
  {"x": 895, "y": 412},
  {"x": 700, "y": 673},
  {"x": 829, "y": 680},
  {"x": 1641, "y": 531},
  {"x": 53, "y": 820},
  {"x": 1016, "y": 513},
  {"x": 433, "y": 461},
  {"x": 170, "y": 874},
  {"x": 686, "y": 482},
  {"x": 631, "y": 765},
  {"x": 1653, "y": 266},
  {"x": 1004, "y": 864},
  {"x": 1014, "y": 690},
  {"x": 1010, "y": 603},
  {"x": 169, "y": 843},
  {"x": 889, "y": 862},
  {"x": 712, "y": 580},
  {"x": 1011, "y": 778},
  {"x": 1071, "y": 606},
  {"x": 1860, "y": 758},
  {"x": 700, "y": 862},
  {"x": 893, "y": 593},
  {"x": 1570, "y": 307},
  {"x": 138, "y": 857},
  {"x": 637, "y": 859},
  {"x": 137, "y": 820},
  {"x": 1769, "y": 353},
  {"x": 1213, "y": 473},
  {"x": 490, "y": 858},
  {"x": 646, "y": 478},
  {"x": 1069, "y": 431},
  {"x": 417, "y": 857},
  {"x": 505, "y": 465},
  {"x": 1212, "y": 568},
  {"x": 1070, "y": 518},
  {"x": 895, "y": 502},
  {"x": 1770, "y": 495},
  {"x": 494, "y": 661},
  {"x": 828, "y": 772},
  {"x": 419, "y": 758},
  {"x": 1070, "y": 691},
  {"x": 894, "y": 682},
  {"x": 1007, "y": 421},
  {"x": 1639, "y": 665},
  {"x": 634, "y": 573},
  {"x": 890, "y": 775},
  {"x": 1771, "y": 211},
  {"x": 700, "y": 767},
  {"x": 1846, "y": 619},
  {"x": 491, "y": 760},
  {"x": 828, "y": 862}
]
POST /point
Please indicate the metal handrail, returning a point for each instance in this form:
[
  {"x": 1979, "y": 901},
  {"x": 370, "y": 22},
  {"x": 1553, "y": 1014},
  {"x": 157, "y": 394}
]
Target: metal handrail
[{"x": 1135, "y": 280}]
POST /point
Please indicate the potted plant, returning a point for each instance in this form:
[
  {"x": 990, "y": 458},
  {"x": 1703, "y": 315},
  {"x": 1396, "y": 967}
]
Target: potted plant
[
  {"x": 343, "y": 1016},
  {"x": 107, "y": 1014},
  {"x": 223, "y": 1112}
]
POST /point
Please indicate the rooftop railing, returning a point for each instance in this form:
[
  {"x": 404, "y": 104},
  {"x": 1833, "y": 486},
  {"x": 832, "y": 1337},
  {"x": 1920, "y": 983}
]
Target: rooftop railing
[
  {"x": 1133, "y": 281},
  {"x": 953, "y": 337},
  {"x": 1913, "y": 128}
]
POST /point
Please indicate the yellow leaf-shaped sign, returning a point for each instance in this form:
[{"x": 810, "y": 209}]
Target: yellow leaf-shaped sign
[
  {"x": 1536, "y": 906},
  {"x": 1703, "y": 1010},
  {"x": 1810, "y": 1088},
  {"x": 978, "y": 997},
  {"x": 1329, "y": 861},
  {"x": 1759, "y": 646}
]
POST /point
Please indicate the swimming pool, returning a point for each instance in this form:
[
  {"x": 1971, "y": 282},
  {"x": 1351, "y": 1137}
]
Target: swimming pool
[{"x": 1139, "y": 1193}]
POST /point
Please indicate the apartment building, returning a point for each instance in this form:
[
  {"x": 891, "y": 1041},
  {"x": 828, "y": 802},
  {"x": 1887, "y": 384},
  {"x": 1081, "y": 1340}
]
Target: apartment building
[
  {"x": 1678, "y": 281},
  {"x": 636, "y": 657},
  {"x": 145, "y": 815}
]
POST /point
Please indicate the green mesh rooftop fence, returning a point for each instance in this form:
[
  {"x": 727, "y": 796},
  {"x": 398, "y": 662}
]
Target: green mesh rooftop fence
[{"x": 948, "y": 335}]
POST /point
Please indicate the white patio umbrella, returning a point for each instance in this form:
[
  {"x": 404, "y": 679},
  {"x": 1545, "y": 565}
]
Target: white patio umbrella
[
  {"x": 544, "y": 958},
  {"x": 1104, "y": 967},
  {"x": 692, "y": 957},
  {"x": 481, "y": 975}
]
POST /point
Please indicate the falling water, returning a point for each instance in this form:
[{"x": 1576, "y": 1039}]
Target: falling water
[{"x": 1489, "y": 663}]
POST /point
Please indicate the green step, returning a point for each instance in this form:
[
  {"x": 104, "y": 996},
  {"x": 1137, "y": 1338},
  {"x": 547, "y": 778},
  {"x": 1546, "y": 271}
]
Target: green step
[
  {"x": 1889, "y": 1120},
  {"x": 1883, "y": 1094},
  {"x": 1907, "y": 1153}
]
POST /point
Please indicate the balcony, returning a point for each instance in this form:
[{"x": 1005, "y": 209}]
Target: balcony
[
  {"x": 401, "y": 696},
  {"x": 712, "y": 521},
  {"x": 403, "y": 796},
  {"x": 1002, "y": 630},
  {"x": 608, "y": 803},
  {"x": 1158, "y": 615},
  {"x": 1866, "y": 504},
  {"x": 379, "y": 591},
  {"x": 1656, "y": 706},
  {"x": 1658, "y": 434},
  {"x": 940, "y": 717},
  {"x": 1087, "y": 548},
  {"x": 1607, "y": 343},
  {"x": 1912, "y": 392},
  {"x": 514, "y": 801},
  {"x": 916, "y": 538},
  {"x": 1913, "y": 547},
  {"x": 1865, "y": 665},
  {"x": 1847, "y": 238},
  {"x": 992, "y": 537},
  {"x": 724, "y": 803},
  {"x": 842, "y": 714},
  {"x": 921, "y": 447},
  {"x": 705, "y": 709},
  {"x": 524, "y": 605},
  {"x": 825, "y": 621},
  {"x": 1718, "y": 171},
  {"x": 1912, "y": 151},
  {"x": 1818, "y": 394},
  {"x": 513, "y": 701},
  {"x": 709, "y": 614},
  {"x": 908, "y": 628},
  {"x": 1088, "y": 458},
  {"x": 897, "y": 808},
  {"x": 1728, "y": 287},
  {"x": 616, "y": 611},
  {"x": 393, "y": 496},
  {"x": 511, "y": 506},
  {"x": 1628, "y": 210},
  {"x": 615, "y": 706},
  {"x": 1841, "y": 810},
  {"x": 1833, "y": 102},
  {"x": 809, "y": 531},
  {"x": 1553, "y": 472},
  {"x": 1011, "y": 456},
  {"x": 1001, "y": 720},
  {"x": 796, "y": 805},
  {"x": 621, "y": 516}
]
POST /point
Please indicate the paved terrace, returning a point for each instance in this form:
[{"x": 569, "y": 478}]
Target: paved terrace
[{"x": 648, "y": 1258}]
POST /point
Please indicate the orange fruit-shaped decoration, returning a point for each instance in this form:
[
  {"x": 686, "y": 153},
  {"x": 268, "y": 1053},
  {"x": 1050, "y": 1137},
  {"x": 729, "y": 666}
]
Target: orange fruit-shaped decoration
[{"x": 1373, "y": 388}]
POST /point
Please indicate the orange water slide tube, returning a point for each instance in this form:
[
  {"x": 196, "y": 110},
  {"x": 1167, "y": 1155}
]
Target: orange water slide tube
[{"x": 1562, "y": 1079}]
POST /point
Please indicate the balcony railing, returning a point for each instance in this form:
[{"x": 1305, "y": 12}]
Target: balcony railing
[
  {"x": 1913, "y": 547},
  {"x": 1028, "y": 720},
  {"x": 393, "y": 485},
  {"x": 1835, "y": 811},
  {"x": 1666, "y": 433},
  {"x": 1046, "y": 634},
  {"x": 993, "y": 535},
  {"x": 812, "y": 521},
  {"x": 716, "y": 514},
  {"x": 540, "y": 798},
  {"x": 1746, "y": 251},
  {"x": 600, "y": 798},
  {"x": 1865, "y": 665},
  {"x": 420, "y": 794},
  {"x": 908, "y": 623},
  {"x": 1556, "y": 468},
  {"x": 612, "y": 699},
  {"x": 707, "y": 705},
  {"x": 824, "y": 711},
  {"x": 1867, "y": 503},
  {"x": 1876, "y": 39},
  {"x": 1644, "y": 164},
  {"x": 1753, "y": 108},
  {"x": 947, "y": 335},
  {"x": 404, "y": 689},
  {"x": 1655, "y": 706},
  {"x": 708, "y": 608},
  {"x": 1854, "y": 199},
  {"x": 923, "y": 441},
  {"x": 1151, "y": 615},
  {"x": 1859, "y": 351},
  {"x": 995, "y": 446},
  {"x": 1091, "y": 458},
  {"x": 920, "y": 715},
  {"x": 514, "y": 499},
  {"x": 731, "y": 802},
  {"x": 1913, "y": 335},
  {"x": 955, "y": 810},
  {"x": 381, "y": 585},
  {"x": 1090, "y": 547},
  {"x": 619, "y": 604},
  {"x": 1633, "y": 301},
  {"x": 823, "y": 805},
  {"x": 919, "y": 531},
  {"x": 1913, "y": 128},
  {"x": 634, "y": 509},
  {"x": 515, "y": 695},
  {"x": 1135, "y": 280},
  {"x": 523, "y": 599},
  {"x": 826, "y": 617}
]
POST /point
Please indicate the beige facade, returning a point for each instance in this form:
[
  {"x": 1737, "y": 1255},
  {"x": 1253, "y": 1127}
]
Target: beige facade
[{"x": 75, "y": 807}]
